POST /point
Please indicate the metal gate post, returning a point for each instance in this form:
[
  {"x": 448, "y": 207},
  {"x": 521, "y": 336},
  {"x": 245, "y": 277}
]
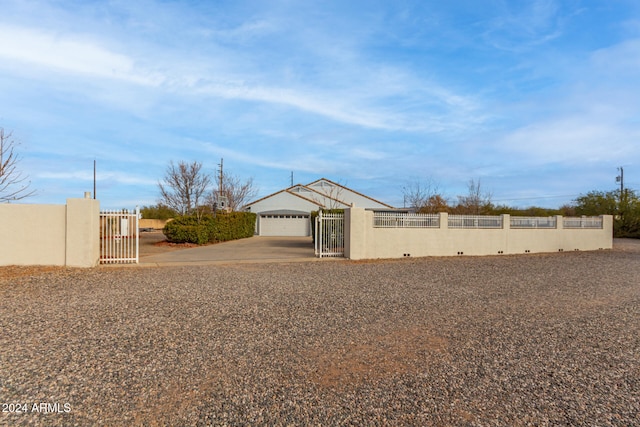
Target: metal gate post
[
  {"x": 137, "y": 234},
  {"x": 319, "y": 234}
]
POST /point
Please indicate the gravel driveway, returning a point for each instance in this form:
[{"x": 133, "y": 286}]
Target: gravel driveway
[{"x": 473, "y": 341}]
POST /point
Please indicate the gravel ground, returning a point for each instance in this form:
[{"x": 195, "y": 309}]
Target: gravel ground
[{"x": 471, "y": 341}]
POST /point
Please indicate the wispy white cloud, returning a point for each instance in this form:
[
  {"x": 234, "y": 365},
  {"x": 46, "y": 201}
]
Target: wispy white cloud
[
  {"x": 243, "y": 33},
  {"x": 575, "y": 140},
  {"x": 522, "y": 26},
  {"x": 355, "y": 91},
  {"x": 87, "y": 176},
  {"x": 69, "y": 54},
  {"x": 621, "y": 60},
  {"x": 366, "y": 103}
]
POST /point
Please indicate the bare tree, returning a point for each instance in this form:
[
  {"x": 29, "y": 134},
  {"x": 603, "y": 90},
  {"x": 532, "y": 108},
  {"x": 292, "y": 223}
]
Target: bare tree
[
  {"x": 13, "y": 185},
  {"x": 424, "y": 196},
  {"x": 476, "y": 202},
  {"x": 184, "y": 187},
  {"x": 329, "y": 195},
  {"x": 236, "y": 191}
]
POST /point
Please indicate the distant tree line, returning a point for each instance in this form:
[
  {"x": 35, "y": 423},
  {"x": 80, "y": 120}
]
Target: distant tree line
[{"x": 623, "y": 204}]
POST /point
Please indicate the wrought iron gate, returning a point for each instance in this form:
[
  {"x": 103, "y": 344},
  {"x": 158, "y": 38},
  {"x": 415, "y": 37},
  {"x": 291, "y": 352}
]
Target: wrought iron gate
[
  {"x": 119, "y": 236},
  {"x": 329, "y": 237}
]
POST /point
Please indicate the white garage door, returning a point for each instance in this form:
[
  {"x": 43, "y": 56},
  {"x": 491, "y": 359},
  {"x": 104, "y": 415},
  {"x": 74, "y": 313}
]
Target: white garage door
[{"x": 284, "y": 225}]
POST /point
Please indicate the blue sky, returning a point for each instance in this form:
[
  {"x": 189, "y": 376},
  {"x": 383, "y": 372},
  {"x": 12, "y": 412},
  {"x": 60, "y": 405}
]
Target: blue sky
[{"x": 539, "y": 100}]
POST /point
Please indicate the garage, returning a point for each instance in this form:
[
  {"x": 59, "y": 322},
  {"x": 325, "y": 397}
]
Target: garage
[
  {"x": 284, "y": 223},
  {"x": 287, "y": 212}
]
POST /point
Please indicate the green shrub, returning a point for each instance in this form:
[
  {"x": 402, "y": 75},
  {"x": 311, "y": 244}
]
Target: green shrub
[{"x": 210, "y": 229}]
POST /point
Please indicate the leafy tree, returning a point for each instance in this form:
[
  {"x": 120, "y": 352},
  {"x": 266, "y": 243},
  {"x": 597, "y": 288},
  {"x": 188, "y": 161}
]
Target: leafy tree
[
  {"x": 596, "y": 203},
  {"x": 13, "y": 185},
  {"x": 623, "y": 205},
  {"x": 627, "y": 220},
  {"x": 435, "y": 204},
  {"x": 567, "y": 210}
]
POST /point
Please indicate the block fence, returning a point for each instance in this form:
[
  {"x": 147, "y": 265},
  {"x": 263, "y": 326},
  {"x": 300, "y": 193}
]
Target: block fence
[
  {"x": 363, "y": 240},
  {"x": 60, "y": 235}
]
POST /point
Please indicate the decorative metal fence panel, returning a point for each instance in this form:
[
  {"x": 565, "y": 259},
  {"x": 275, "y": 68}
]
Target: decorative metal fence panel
[
  {"x": 405, "y": 220},
  {"x": 329, "y": 235},
  {"x": 533, "y": 222},
  {"x": 474, "y": 221},
  {"x": 582, "y": 222},
  {"x": 119, "y": 236}
]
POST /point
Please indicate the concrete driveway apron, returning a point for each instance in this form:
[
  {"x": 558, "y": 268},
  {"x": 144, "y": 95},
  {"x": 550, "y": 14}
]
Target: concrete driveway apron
[{"x": 252, "y": 249}]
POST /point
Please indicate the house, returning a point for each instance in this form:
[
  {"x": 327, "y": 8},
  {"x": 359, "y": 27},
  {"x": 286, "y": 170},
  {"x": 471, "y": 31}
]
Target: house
[{"x": 287, "y": 212}]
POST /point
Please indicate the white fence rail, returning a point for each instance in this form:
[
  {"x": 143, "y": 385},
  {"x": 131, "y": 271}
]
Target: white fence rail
[
  {"x": 582, "y": 222},
  {"x": 383, "y": 219},
  {"x": 119, "y": 236},
  {"x": 533, "y": 222},
  {"x": 405, "y": 220},
  {"x": 329, "y": 237},
  {"x": 474, "y": 221}
]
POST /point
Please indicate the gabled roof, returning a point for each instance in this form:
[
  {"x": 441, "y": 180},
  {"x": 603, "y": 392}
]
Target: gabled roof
[
  {"x": 348, "y": 189},
  {"x": 286, "y": 190},
  {"x": 319, "y": 193},
  {"x": 325, "y": 196}
]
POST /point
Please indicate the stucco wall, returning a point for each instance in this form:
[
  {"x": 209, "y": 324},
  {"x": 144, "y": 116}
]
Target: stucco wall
[
  {"x": 363, "y": 241},
  {"x": 62, "y": 235}
]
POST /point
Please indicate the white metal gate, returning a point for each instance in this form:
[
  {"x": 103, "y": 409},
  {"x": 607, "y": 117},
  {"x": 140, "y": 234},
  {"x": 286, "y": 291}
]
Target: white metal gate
[
  {"x": 119, "y": 236},
  {"x": 329, "y": 237}
]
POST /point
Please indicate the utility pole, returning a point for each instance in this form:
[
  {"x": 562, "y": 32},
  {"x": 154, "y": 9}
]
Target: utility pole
[
  {"x": 620, "y": 179},
  {"x": 291, "y": 178},
  {"x": 94, "y": 179},
  {"x": 222, "y": 199},
  {"x": 220, "y": 177}
]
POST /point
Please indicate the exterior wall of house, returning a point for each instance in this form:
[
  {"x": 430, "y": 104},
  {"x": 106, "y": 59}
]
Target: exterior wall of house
[
  {"x": 61, "y": 235},
  {"x": 363, "y": 241}
]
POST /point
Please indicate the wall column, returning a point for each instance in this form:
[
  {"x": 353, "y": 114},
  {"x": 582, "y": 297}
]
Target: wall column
[
  {"x": 444, "y": 220},
  {"x": 82, "y": 248},
  {"x": 355, "y": 235}
]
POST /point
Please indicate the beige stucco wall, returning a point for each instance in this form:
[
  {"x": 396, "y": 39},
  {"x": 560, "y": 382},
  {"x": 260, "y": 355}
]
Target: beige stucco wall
[
  {"x": 363, "y": 241},
  {"x": 51, "y": 234},
  {"x": 83, "y": 233}
]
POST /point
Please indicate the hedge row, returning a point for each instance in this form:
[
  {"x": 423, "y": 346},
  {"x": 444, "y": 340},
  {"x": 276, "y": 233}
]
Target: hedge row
[{"x": 210, "y": 229}]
